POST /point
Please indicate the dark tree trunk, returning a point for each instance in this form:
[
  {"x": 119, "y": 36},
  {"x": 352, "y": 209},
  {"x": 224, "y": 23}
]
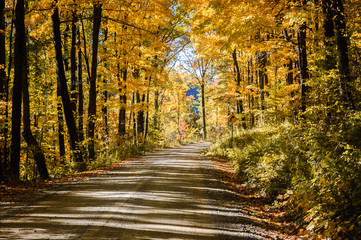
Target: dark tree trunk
[
  {"x": 203, "y": 106},
  {"x": 328, "y": 25},
  {"x": 105, "y": 111},
  {"x": 302, "y": 61},
  {"x": 140, "y": 116},
  {"x": 2, "y": 85},
  {"x": 289, "y": 75},
  {"x": 146, "y": 119},
  {"x": 329, "y": 28},
  {"x": 61, "y": 138},
  {"x": 17, "y": 90},
  {"x": 93, "y": 91},
  {"x": 38, "y": 153},
  {"x": 123, "y": 103},
  {"x": 240, "y": 108},
  {"x": 69, "y": 117},
  {"x": 135, "y": 136},
  {"x": 178, "y": 115},
  {"x": 250, "y": 96},
  {"x": 80, "y": 93},
  {"x": 262, "y": 76},
  {"x": 342, "y": 50},
  {"x": 105, "y": 95},
  {"x": 73, "y": 66},
  {"x": 156, "y": 110},
  {"x": 2, "y": 51}
]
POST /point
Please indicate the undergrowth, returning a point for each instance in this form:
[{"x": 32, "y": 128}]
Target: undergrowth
[
  {"x": 110, "y": 154},
  {"x": 119, "y": 153},
  {"x": 312, "y": 171}
]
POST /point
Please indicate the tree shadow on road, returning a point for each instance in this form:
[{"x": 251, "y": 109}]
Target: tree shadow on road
[{"x": 171, "y": 194}]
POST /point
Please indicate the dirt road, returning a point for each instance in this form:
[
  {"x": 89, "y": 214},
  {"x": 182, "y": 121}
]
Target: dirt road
[{"x": 169, "y": 194}]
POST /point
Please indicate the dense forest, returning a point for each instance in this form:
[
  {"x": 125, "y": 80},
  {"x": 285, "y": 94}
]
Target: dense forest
[{"x": 274, "y": 83}]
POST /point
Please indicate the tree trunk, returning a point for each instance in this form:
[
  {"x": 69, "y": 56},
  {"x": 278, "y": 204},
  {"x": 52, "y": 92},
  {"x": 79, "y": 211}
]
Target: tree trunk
[
  {"x": 80, "y": 93},
  {"x": 262, "y": 59},
  {"x": 2, "y": 85},
  {"x": 146, "y": 119},
  {"x": 178, "y": 115},
  {"x": 2, "y": 51},
  {"x": 328, "y": 26},
  {"x": 302, "y": 60},
  {"x": 135, "y": 136},
  {"x": 156, "y": 110},
  {"x": 203, "y": 106},
  {"x": 73, "y": 66},
  {"x": 92, "y": 91},
  {"x": 250, "y": 97},
  {"x": 123, "y": 103},
  {"x": 342, "y": 50},
  {"x": 105, "y": 95},
  {"x": 140, "y": 116},
  {"x": 289, "y": 74},
  {"x": 105, "y": 112},
  {"x": 240, "y": 108},
  {"x": 262, "y": 78},
  {"x": 38, "y": 153},
  {"x": 69, "y": 117},
  {"x": 17, "y": 90},
  {"x": 61, "y": 138}
]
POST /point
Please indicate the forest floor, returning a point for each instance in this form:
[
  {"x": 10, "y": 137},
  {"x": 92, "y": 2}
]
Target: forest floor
[{"x": 176, "y": 193}]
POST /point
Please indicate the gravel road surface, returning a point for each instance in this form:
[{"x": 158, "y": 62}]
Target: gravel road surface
[{"x": 169, "y": 194}]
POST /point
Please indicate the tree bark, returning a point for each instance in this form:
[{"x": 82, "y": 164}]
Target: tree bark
[
  {"x": 240, "y": 108},
  {"x": 17, "y": 90},
  {"x": 203, "y": 106},
  {"x": 2, "y": 50},
  {"x": 61, "y": 138},
  {"x": 34, "y": 146},
  {"x": 342, "y": 50},
  {"x": 302, "y": 60},
  {"x": 69, "y": 117},
  {"x": 105, "y": 112},
  {"x": 156, "y": 110},
  {"x": 123, "y": 103},
  {"x": 2, "y": 84},
  {"x": 262, "y": 78},
  {"x": 105, "y": 95},
  {"x": 140, "y": 116},
  {"x": 250, "y": 97},
  {"x": 80, "y": 93},
  {"x": 73, "y": 65},
  {"x": 146, "y": 119},
  {"x": 132, "y": 114},
  {"x": 92, "y": 91}
]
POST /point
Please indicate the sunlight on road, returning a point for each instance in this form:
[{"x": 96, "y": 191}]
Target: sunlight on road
[{"x": 170, "y": 194}]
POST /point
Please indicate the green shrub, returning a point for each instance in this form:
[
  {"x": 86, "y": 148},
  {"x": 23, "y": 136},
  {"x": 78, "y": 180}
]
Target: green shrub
[{"x": 315, "y": 168}]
